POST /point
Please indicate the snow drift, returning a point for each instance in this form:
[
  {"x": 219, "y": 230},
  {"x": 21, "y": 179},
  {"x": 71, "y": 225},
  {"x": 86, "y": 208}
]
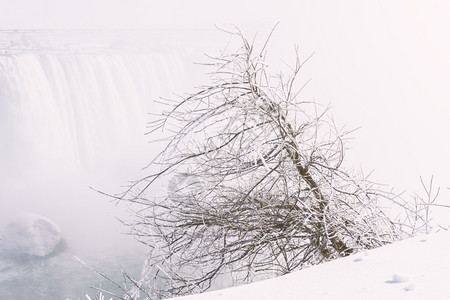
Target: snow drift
[{"x": 416, "y": 268}]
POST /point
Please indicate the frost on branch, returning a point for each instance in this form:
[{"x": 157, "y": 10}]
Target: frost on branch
[{"x": 257, "y": 184}]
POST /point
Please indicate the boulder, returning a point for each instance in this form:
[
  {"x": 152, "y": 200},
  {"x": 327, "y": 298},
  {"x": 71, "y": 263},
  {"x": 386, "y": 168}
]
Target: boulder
[{"x": 30, "y": 235}]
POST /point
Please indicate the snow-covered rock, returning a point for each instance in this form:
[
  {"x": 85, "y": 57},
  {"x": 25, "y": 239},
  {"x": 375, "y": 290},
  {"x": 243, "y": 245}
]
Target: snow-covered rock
[{"x": 30, "y": 235}]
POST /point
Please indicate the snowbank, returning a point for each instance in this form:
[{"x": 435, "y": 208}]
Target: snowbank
[{"x": 416, "y": 268}]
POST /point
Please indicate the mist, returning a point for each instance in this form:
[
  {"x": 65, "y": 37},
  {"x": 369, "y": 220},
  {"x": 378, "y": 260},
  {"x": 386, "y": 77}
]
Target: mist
[
  {"x": 381, "y": 66},
  {"x": 74, "y": 114}
]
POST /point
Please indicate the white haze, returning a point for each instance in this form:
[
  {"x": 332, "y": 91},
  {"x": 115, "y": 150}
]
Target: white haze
[
  {"x": 74, "y": 108},
  {"x": 382, "y": 65}
]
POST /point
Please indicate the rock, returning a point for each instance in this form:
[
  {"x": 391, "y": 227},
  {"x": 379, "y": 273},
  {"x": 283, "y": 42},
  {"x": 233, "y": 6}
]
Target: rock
[{"x": 30, "y": 235}]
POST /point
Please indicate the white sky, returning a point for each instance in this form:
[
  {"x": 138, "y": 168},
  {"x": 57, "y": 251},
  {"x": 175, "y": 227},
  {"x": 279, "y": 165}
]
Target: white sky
[
  {"x": 383, "y": 65},
  {"x": 113, "y": 14}
]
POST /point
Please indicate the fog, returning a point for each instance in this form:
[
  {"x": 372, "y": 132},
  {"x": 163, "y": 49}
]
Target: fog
[
  {"x": 383, "y": 66},
  {"x": 74, "y": 111}
]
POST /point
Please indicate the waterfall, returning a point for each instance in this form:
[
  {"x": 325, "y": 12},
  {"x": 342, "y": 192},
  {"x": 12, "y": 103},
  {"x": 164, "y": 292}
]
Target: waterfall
[
  {"x": 73, "y": 113},
  {"x": 76, "y": 107}
]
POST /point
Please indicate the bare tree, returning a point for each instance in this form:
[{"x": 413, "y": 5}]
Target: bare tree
[
  {"x": 415, "y": 217},
  {"x": 257, "y": 187}
]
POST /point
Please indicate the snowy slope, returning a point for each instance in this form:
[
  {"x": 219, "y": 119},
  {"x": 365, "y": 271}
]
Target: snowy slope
[{"x": 417, "y": 268}]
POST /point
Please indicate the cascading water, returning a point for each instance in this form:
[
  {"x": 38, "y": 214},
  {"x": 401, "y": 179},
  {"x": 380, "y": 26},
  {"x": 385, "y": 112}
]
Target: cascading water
[
  {"x": 73, "y": 113},
  {"x": 75, "y": 105}
]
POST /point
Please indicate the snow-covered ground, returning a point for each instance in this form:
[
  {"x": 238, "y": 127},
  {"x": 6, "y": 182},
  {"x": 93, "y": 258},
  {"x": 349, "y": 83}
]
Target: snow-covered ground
[{"x": 417, "y": 268}]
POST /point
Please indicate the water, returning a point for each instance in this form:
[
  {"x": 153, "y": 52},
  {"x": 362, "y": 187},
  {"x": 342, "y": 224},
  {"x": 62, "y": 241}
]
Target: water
[
  {"x": 73, "y": 112},
  {"x": 64, "y": 277}
]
